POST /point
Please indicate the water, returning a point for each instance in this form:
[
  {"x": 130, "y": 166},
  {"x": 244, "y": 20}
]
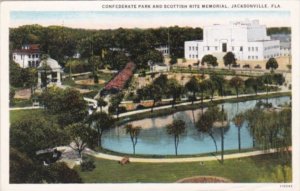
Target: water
[{"x": 153, "y": 139}]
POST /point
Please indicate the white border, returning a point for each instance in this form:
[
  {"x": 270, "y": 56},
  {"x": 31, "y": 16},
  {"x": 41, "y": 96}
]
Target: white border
[{"x": 6, "y": 7}]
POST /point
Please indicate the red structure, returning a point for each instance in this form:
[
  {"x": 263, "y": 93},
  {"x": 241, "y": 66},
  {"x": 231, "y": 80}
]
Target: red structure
[{"x": 120, "y": 80}]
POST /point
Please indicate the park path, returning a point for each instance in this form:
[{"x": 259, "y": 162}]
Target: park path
[
  {"x": 25, "y": 108},
  {"x": 195, "y": 102},
  {"x": 177, "y": 160}
]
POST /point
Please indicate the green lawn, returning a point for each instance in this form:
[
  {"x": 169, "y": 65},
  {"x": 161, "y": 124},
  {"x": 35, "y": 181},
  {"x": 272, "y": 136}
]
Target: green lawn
[
  {"x": 16, "y": 115},
  {"x": 247, "y": 170}
]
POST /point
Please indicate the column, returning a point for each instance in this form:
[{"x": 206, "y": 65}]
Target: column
[
  {"x": 39, "y": 79},
  {"x": 58, "y": 78}
]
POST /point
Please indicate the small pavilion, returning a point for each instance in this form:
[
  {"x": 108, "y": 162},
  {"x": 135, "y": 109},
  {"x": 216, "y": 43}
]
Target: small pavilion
[{"x": 49, "y": 73}]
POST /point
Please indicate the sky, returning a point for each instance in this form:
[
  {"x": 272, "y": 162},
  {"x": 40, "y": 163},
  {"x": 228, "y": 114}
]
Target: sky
[{"x": 145, "y": 19}]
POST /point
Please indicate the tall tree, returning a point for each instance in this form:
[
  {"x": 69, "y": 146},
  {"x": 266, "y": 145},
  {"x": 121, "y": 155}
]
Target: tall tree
[
  {"x": 174, "y": 90},
  {"x": 101, "y": 122},
  {"x": 272, "y": 64},
  {"x": 176, "y": 128},
  {"x": 219, "y": 81},
  {"x": 81, "y": 136},
  {"x": 229, "y": 59},
  {"x": 210, "y": 60},
  {"x": 254, "y": 83},
  {"x": 211, "y": 86},
  {"x": 238, "y": 122},
  {"x": 237, "y": 83},
  {"x": 101, "y": 103},
  {"x": 134, "y": 132},
  {"x": 193, "y": 86}
]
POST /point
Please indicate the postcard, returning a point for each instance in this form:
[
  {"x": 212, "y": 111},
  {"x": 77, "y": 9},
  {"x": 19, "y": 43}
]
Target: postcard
[{"x": 150, "y": 95}]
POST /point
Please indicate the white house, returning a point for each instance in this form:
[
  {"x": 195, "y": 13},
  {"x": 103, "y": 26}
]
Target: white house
[
  {"x": 163, "y": 49},
  {"x": 247, "y": 39},
  {"x": 27, "y": 56}
]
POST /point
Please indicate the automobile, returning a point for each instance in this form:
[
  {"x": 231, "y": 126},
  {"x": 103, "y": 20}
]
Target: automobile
[
  {"x": 236, "y": 66},
  {"x": 246, "y": 66},
  {"x": 257, "y": 66}
]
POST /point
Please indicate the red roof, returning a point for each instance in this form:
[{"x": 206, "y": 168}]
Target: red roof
[
  {"x": 31, "y": 48},
  {"x": 121, "y": 78}
]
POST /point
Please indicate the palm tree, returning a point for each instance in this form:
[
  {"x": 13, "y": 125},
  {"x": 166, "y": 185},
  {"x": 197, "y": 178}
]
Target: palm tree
[
  {"x": 176, "y": 128},
  {"x": 174, "y": 90},
  {"x": 236, "y": 82},
  {"x": 238, "y": 122},
  {"x": 101, "y": 103},
  {"x": 101, "y": 122},
  {"x": 134, "y": 132},
  {"x": 193, "y": 87}
]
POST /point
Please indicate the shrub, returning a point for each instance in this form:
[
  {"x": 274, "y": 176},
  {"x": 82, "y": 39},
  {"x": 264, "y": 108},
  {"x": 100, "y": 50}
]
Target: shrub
[{"x": 87, "y": 164}]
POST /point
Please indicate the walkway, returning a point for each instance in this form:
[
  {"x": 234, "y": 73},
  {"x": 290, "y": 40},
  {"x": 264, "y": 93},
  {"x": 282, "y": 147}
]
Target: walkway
[
  {"x": 178, "y": 160},
  {"x": 195, "y": 102},
  {"x": 25, "y": 108}
]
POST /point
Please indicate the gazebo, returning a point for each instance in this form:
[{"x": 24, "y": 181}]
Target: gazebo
[{"x": 49, "y": 73}]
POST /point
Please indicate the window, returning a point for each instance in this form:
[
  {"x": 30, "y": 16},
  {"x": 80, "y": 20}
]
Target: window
[
  {"x": 249, "y": 58},
  {"x": 256, "y": 57},
  {"x": 253, "y": 57},
  {"x": 36, "y": 55},
  {"x": 190, "y": 48},
  {"x": 29, "y": 55},
  {"x": 208, "y": 48},
  {"x": 14, "y": 57},
  {"x": 256, "y": 49},
  {"x": 241, "y": 49},
  {"x": 196, "y": 55},
  {"x": 190, "y": 56},
  {"x": 197, "y": 48},
  {"x": 252, "y": 48},
  {"x": 193, "y": 48},
  {"x": 216, "y": 48},
  {"x": 29, "y": 63},
  {"x": 249, "y": 49},
  {"x": 233, "y": 48}
]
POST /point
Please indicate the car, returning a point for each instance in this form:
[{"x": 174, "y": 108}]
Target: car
[
  {"x": 246, "y": 66},
  {"x": 257, "y": 66}
]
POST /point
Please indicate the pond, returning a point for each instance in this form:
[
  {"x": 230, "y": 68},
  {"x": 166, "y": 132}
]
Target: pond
[{"x": 154, "y": 140}]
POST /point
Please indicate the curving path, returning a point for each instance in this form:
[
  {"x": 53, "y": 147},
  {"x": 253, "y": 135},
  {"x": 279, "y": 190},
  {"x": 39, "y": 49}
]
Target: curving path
[{"x": 178, "y": 160}]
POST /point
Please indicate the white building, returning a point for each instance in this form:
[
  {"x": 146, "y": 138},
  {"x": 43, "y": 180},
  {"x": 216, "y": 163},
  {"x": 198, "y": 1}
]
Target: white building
[
  {"x": 159, "y": 67},
  {"x": 164, "y": 49},
  {"x": 28, "y": 56},
  {"x": 248, "y": 40},
  {"x": 49, "y": 72},
  {"x": 285, "y": 43}
]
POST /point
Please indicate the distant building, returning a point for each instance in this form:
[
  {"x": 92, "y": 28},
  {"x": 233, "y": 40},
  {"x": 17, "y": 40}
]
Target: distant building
[
  {"x": 27, "y": 56},
  {"x": 285, "y": 43},
  {"x": 247, "y": 39},
  {"x": 164, "y": 49},
  {"x": 159, "y": 67}
]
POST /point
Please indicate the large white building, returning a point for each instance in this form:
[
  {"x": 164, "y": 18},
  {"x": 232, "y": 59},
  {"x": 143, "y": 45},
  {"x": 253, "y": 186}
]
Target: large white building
[
  {"x": 27, "y": 56},
  {"x": 248, "y": 40}
]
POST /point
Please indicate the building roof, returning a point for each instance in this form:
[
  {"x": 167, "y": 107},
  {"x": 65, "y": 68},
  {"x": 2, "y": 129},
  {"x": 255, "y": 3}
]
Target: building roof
[
  {"x": 53, "y": 64},
  {"x": 31, "y": 48}
]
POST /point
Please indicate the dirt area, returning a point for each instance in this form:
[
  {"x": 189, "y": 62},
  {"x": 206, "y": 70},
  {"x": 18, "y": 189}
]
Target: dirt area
[
  {"x": 283, "y": 61},
  {"x": 88, "y": 82},
  {"x": 204, "y": 179},
  {"x": 23, "y": 94}
]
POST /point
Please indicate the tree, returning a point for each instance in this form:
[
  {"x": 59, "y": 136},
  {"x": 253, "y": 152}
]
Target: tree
[
  {"x": 35, "y": 133},
  {"x": 115, "y": 101},
  {"x": 253, "y": 83},
  {"x": 211, "y": 86},
  {"x": 174, "y": 90},
  {"x": 60, "y": 173},
  {"x": 67, "y": 104},
  {"x": 267, "y": 79},
  {"x": 101, "y": 122},
  {"x": 134, "y": 134},
  {"x": 272, "y": 64},
  {"x": 101, "y": 103},
  {"x": 15, "y": 74},
  {"x": 208, "y": 120},
  {"x": 176, "y": 128},
  {"x": 22, "y": 169},
  {"x": 229, "y": 59},
  {"x": 237, "y": 83},
  {"x": 12, "y": 93},
  {"x": 81, "y": 136},
  {"x": 238, "y": 122},
  {"x": 209, "y": 60},
  {"x": 173, "y": 60},
  {"x": 193, "y": 86},
  {"x": 219, "y": 81}
]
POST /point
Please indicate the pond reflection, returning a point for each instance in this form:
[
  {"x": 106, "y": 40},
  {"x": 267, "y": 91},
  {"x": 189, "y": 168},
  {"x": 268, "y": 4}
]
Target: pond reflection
[{"x": 154, "y": 140}]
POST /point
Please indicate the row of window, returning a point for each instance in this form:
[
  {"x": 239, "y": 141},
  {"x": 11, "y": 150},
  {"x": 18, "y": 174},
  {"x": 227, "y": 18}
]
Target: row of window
[
  {"x": 271, "y": 47},
  {"x": 271, "y": 56},
  {"x": 236, "y": 48},
  {"x": 252, "y": 49},
  {"x": 33, "y": 64},
  {"x": 33, "y": 55},
  {"x": 193, "y": 56},
  {"x": 252, "y": 57},
  {"x": 193, "y": 48}
]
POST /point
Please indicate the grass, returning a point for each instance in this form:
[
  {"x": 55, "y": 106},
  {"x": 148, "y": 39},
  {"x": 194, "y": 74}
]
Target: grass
[
  {"x": 16, "y": 115},
  {"x": 246, "y": 170},
  {"x": 22, "y": 103}
]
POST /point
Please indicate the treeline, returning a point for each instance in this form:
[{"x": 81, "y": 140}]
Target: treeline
[
  {"x": 139, "y": 44},
  {"x": 278, "y": 30}
]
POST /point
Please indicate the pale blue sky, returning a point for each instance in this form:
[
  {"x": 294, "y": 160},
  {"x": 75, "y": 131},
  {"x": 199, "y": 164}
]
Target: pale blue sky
[{"x": 145, "y": 19}]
